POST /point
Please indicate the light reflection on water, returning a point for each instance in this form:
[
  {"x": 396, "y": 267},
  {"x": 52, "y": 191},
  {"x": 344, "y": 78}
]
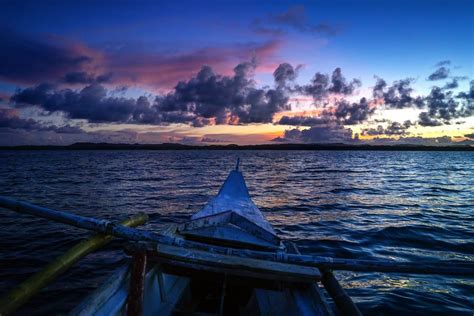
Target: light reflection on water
[{"x": 406, "y": 206}]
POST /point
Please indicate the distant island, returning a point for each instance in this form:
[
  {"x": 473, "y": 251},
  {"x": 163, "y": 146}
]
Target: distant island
[{"x": 176, "y": 146}]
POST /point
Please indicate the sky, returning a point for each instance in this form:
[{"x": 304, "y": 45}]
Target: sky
[{"x": 240, "y": 72}]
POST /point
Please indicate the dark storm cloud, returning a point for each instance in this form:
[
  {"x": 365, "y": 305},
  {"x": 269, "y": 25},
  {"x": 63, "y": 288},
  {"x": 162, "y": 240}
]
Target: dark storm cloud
[
  {"x": 468, "y": 96},
  {"x": 442, "y": 106},
  {"x": 303, "y": 120},
  {"x": 322, "y": 85},
  {"x": 439, "y": 74},
  {"x": 393, "y": 128},
  {"x": 284, "y": 74},
  {"x": 353, "y": 113},
  {"x": 26, "y": 59},
  {"x": 317, "y": 134},
  {"x": 198, "y": 101},
  {"x": 82, "y": 77},
  {"x": 90, "y": 103},
  {"x": 340, "y": 85},
  {"x": 424, "y": 119},
  {"x": 225, "y": 98},
  {"x": 36, "y": 95},
  {"x": 451, "y": 85},
  {"x": 208, "y": 98},
  {"x": 9, "y": 119},
  {"x": 398, "y": 95}
]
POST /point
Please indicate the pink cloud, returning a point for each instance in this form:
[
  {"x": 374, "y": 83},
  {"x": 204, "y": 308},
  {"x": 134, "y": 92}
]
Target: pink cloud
[{"x": 160, "y": 71}]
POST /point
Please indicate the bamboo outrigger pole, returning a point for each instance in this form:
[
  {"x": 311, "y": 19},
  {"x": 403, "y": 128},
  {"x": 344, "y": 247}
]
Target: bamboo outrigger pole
[
  {"x": 23, "y": 292},
  {"x": 107, "y": 227}
]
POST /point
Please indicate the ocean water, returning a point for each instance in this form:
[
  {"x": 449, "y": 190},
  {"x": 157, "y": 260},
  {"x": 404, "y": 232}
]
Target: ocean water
[{"x": 406, "y": 206}]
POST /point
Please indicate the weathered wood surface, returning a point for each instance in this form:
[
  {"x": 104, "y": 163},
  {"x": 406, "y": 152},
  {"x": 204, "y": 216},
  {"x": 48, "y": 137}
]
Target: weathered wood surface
[
  {"x": 137, "y": 284},
  {"x": 264, "y": 279},
  {"x": 312, "y": 295},
  {"x": 207, "y": 223},
  {"x": 229, "y": 235},
  {"x": 460, "y": 268},
  {"x": 343, "y": 301},
  {"x": 108, "y": 299},
  {"x": 232, "y": 263},
  {"x": 23, "y": 292}
]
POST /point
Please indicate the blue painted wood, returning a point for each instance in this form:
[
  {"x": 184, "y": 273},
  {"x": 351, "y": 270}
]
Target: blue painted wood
[
  {"x": 111, "y": 297},
  {"x": 231, "y": 216},
  {"x": 230, "y": 234},
  {"x": 230, "y": 226},
  {"x": 234, "y": 196}
]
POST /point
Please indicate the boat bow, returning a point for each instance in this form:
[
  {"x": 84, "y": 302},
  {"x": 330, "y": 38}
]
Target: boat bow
[{"x": 232, "y": 218}]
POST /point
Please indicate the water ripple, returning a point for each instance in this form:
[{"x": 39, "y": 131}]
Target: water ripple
[{"x": 407, "y": 206}]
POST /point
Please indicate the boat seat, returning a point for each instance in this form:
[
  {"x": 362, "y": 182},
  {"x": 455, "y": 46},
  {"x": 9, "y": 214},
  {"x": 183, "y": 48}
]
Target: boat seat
[{"x": 199, "y": 260}]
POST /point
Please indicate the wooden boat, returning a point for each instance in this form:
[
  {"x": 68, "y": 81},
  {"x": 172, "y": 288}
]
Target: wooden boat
[{"x": 193, "y": 282}]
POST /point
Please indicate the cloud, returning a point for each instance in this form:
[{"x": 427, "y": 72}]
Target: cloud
[
  {"x": 451, "y": 85},
  {"x": 442, "y": 106},
  {"x": 207, "y": 98},
  {"x": 91, "y": 103},
  {"x": 393, "y": 128},
  {"x": 297, "y": 18},
  {"x": 9, "y": 119},
  {"x": 26, "y": 59},
  {"x": 424, "y": 119},
  {"x": 398, "y": 95},
  {"x": 353, "y": 113},
  {"x": 284, "y": 74},
  {"x": 163, "y": 70},
  {"x": 443, "y": 63},
  {"x": 226, "y": 99},
  {"x": 321, "y": 85},
  {"x": 212, "y": 140},
  {"x": 303, "y": 120},
  {"x": 418, "y": 140},
  {"x": 468, "y": 96},
  {"x": 317, "y": 134},
  {"x": 82, "y": 77},
  {"x": 440, "y": 74},
  {"x": 210, "y": 98},
  {"x": 470, "y": 136}
]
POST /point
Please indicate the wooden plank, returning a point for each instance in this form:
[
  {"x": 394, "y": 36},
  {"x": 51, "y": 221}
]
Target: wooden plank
[
  {"x": 137, "y": 284},
  {"x": 231, "y": 236},
  {"x": 174, "y": 288},
  {"x": 206, "y": 221},
  {"x": 253, "y": 229},
  {"x": 311, "y": 295},
  {"x": 343, "y": 301},
  {"x": 202, "y": 271},
  {"x": 97, "y": 299},
  {"x": 196, "y": 226},
  {"x": 305, "y": 274}
]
